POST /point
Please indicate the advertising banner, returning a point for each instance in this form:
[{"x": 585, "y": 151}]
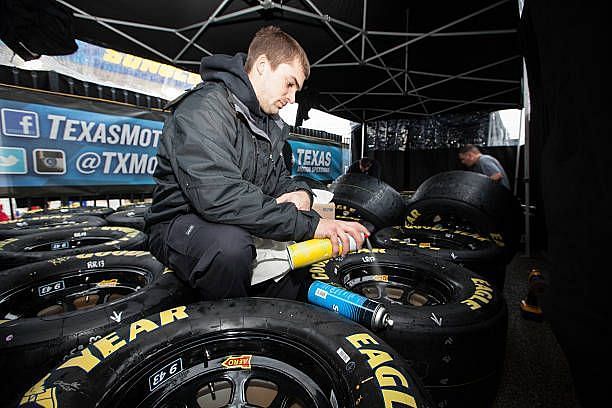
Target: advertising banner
[
  {"x": 52, "y": 143},
  {"x": 56, "y": 145},
  {"x": 318, "y": 159}
]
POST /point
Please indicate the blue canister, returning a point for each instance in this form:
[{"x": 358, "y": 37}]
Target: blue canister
[{"x": 358, "y": 308}]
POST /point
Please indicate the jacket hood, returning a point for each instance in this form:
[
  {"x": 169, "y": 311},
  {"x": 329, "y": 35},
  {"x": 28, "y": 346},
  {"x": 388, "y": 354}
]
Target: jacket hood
[{"x": 230, "y": 70}]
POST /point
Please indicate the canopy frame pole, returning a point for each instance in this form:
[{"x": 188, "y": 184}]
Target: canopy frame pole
[
  {"x": 201, "y": 29},
  {"x": 444, "y": 27}
]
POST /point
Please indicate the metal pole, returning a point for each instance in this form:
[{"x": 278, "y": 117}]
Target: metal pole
[
  {"x": 527, "y": 196},
  {"x": 444, "y": 27},
  {"x": 527, "y": 165},
  {"x": 363, "y": 128},
  {"x": 518, "y": 155},
  {"x": 491, "y": 123},
  {"x": 11, "y": 208}
]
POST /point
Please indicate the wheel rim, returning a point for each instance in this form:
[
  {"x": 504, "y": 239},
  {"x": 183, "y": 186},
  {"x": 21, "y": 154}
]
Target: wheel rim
[
  {"x": 267, "y": 372},
  {"x": 399, "y": 284},
  {"x": 72, "y": 292}
]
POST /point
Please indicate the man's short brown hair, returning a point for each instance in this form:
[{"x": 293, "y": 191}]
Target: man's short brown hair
[
  {"x": 469, "y": 148},
  {"x": 279, "y": 47}
]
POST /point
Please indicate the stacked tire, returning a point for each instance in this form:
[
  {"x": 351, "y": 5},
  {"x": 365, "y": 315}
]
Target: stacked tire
[
  {"x": 57, "y": 242},
  {"x": 359, "y": 197},
  {"x": 96, "y": 211},
  {"x": 470, "y": 202},
  {"x": 52, "y": 309},
  {"x": 466, "y": 204},
  {"x": 440, "y": 269},
  {"x": 448, "y": 322},
  {"x": 241, "y": 352},
  {"x": 132, "y": 216},
  {"x": 45, "y": 223},
  {"x": 129, "y": 341},
  {"x": 480, "y": 254}
]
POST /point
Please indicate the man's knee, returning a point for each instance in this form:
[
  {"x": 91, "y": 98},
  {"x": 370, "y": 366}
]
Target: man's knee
[
  {"x": 238, "y": 253},
  {"x": 225, "y": 268}
]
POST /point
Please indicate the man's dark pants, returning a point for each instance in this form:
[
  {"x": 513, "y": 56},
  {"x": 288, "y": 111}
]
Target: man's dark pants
[{"x": 216, "y": 260}]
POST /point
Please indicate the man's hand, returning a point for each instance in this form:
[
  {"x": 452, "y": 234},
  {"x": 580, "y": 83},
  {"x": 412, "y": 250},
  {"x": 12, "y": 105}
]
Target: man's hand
[
  {"x": 496, "y": 177},
  {"x": 299, "y": 198},
  {"x": 334, "y": 229}
]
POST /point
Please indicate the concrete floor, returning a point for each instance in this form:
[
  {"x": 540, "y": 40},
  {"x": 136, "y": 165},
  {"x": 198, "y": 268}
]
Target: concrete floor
[{"x": 536, "y": 373}]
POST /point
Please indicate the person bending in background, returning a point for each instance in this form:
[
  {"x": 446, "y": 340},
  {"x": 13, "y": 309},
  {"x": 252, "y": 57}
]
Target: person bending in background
[
  {"x": 288, "y": 156},
  {"x": 221, "y": 179},
  {"x": 366, "y": 165},
  {"x": 470, "y": 156}
]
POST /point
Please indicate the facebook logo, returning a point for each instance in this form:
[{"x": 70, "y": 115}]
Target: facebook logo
[{"x": 19, "y": 123}]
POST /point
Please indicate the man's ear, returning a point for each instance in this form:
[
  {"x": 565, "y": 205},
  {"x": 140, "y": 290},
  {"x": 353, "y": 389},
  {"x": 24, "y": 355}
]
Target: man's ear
[{"x": 260, "y": 64}]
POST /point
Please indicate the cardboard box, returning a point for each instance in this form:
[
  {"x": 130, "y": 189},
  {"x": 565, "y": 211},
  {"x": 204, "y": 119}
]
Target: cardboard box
[{"x": 325, "y": 210}]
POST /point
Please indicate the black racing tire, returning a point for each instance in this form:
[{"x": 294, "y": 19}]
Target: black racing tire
[
  {"x": 468, "y": 201},
  {"x": 302, "y": 355},
  {"x": 478, "y": 253},
  {"x": 51, "y": 310},
  {"x": 359, "y": 196},
  {"x": 133, "y": 206},
  {"x": 448, "y": 322},
  {"x": 133, "y": 218},
  {"x": 24, "y": 249},
  {"x": 406, "y": 196},
  {"x": 312, "y": 183},
  {"x": 95, "y": 211},
  {"x": 43, "y": 223}
]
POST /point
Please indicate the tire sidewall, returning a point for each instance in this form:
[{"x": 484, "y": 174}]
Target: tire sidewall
[
  {"x": 476, "y": 252},
  {"x": 323, "y": 332},
  {"x": 44, "y": 223},
  {"x": 449, "y": 345},
  {"x": 12, "y": 253},
  {"x": 35, "y": 344}
]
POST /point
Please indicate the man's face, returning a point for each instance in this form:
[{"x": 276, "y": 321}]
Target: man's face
[
  {"x": 364, "y": 167},
  {"x": 467, "y": 159},
  {"x": 279, "y": 85}
]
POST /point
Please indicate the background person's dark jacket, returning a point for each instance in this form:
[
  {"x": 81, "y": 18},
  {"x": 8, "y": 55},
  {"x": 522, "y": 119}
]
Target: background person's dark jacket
[
  {"x": 220, "y": 157},
  {"x": 373, "y": 171}
]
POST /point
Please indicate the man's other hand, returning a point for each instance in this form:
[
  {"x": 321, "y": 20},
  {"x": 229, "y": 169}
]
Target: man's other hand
[
  {"x": 340, "y": 230},
  {"x": 496, "y": 177},
  {"x": 299, "y": 198}
]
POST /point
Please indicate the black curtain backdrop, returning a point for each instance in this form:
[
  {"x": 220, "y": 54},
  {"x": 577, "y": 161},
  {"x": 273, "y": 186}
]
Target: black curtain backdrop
[
  {"x": 406, "y": 170},
  {"x": 566, "y": 46}
]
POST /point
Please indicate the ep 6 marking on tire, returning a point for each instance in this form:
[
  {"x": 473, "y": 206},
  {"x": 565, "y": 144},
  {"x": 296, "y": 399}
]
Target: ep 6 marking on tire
[{"x": 50, "y": 288}]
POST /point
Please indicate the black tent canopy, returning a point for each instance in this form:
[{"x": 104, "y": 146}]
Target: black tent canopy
[{"x": 370, "y": 59}]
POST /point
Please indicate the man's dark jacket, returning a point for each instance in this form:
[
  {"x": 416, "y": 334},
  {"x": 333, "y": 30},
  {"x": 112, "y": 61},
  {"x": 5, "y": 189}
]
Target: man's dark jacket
[{"x": 220, "y": 156}]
